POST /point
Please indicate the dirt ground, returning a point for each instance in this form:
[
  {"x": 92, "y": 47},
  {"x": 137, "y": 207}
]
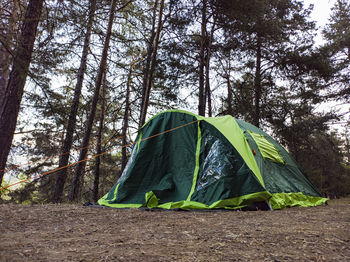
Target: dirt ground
[{"x": 76, "y": 233}]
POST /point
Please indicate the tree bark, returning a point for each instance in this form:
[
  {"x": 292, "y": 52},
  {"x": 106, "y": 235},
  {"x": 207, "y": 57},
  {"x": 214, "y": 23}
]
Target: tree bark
[
  {"x": 229, "y": 95},
  {"x": 207, "y": 84},
  {"x": 257, "y": 83},
  {"x": 81, "y": 165},
  {"x": 347, "y": 148},
  {"x": 9, "y": 32},
  {"x": 68, "y": 141},
  {"x": 207, "y": 68},
  {"x": 202, "y": 62},
  {"x": 151, "y": 60},
  {"x": 148, "y": 65},
  {"x": 126, "y": 117},
  {"x": 99, "y": 142},
  {"x": 14, "y": 91}
]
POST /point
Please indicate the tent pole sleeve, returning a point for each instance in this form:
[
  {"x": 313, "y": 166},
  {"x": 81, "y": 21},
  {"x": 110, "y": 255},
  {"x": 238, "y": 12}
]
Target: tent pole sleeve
[
  {"x": 196, "y": 169},
  {"x": 139, "y": 142}
]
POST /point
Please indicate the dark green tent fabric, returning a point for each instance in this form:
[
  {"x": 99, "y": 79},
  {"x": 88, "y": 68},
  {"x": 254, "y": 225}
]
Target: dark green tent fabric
[
  {"x": 158, "y": 164},
  {"x": 181, "y": 160},
  {"x": 278, "y": 177}
]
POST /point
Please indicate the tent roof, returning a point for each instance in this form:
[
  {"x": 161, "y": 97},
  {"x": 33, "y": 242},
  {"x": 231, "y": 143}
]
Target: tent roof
[{"x": 228, "y": 126}]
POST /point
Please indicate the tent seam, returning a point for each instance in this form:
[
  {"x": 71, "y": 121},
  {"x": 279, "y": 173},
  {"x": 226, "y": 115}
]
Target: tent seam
[{"x": 196, "y": 169}]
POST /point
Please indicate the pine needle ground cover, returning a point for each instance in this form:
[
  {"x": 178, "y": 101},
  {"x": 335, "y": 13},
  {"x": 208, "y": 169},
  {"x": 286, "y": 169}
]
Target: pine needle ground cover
[{"x": 76, "y": 233}]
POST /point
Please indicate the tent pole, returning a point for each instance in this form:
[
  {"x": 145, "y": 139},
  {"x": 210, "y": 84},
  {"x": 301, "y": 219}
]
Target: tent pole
[{"x": 268, "y": 204}]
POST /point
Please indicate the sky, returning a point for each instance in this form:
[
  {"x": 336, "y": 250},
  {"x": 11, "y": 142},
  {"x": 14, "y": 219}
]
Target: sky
[
  {"x": 320, "y": 13},
  {"x": 322, "y": 9}
]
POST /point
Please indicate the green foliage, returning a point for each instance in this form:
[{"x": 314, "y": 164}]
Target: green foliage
[
  {"x": 323, "y": 161},
  {"x": 337, "y": 34},
  {"x": 4, "y": 193}
]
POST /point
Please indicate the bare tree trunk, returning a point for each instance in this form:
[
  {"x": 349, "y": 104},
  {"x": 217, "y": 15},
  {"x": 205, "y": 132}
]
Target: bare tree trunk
[
  {"x": 14, "y": 91},
  {"x": 210, "y": 40},
  {"x": 347, "y": 148},
  {"x": 126, "y": 118},
  {"x": 202, "y": 62},
  {"x": 207, "y": 84},
  {"x": 9, "y": 32},
  {"x": 68, "y": 141},
  {"x": 151, "y": 60},
  {"x": 229, "y": 95},
  {"x": 148, "y": 65},
  {"x": 99, "y": 141},
  {"x": 124, "y": 130},
  {"x": 83, "y": 153},
  {"x": 257, "y": 83}
]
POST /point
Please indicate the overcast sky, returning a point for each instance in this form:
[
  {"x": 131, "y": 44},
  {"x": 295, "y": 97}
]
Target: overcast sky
[
  {"x": 322, "y": 10},
  {"x": 321, "y": 14}
]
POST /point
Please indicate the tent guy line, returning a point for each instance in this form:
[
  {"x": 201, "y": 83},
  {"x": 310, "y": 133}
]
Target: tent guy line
[
  {"x": 58, "y": 155},
  {"x": 50, "y": 157},
  {"x": 93, "y": 157}
]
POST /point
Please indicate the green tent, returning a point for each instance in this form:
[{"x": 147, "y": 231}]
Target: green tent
[{"x": 182, "y": 160}]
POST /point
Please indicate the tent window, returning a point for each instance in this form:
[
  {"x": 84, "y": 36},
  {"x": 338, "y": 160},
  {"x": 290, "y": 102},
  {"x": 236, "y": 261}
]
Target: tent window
[{"x": 266, "y": 148}]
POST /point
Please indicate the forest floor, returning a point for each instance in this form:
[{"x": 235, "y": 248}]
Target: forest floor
[{"x": 67, "y": 232}]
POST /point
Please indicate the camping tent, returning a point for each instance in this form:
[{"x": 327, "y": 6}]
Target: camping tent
[{"x": 182, "y": 160}]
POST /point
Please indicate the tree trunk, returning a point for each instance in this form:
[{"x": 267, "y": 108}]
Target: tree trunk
[
  {"x": 229, "y": 99},
  {"x": 68, "y": 141},
  {"x": 151, "y": 60},
  {"x": 5, "y": 49},
  {"x": 126, "y": 117},
  {"x": 81, "y": 165},
  {"x": 207, "y": 84},
  {"x": 257, "y": 83},
  {"x": 229, "y": 96},
  {"x": 347, "y": 148},
  {"x": 148, "y": 65},
  {"x": 14, "y": 91},
  {"x": 202, "y": 62},
  {"x": 99, "y": 141},
  {"x": 207, "y": 68}
]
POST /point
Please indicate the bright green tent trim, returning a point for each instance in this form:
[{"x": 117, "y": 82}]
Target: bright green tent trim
[
  {"x": 183, "y": 205},
  {"x": 282, "y": 200},
  {"x": 228, "y": 126},
  {"x": 267, "y": 149},
  {"x": 196, "y": 169},
  {"x": 188, "y": 205},
  {"x": 103, "y": 200},
  {"x": 231, "y": 203},
  {"x": 277, "y": 201},
  {"x": 241, "y": 201},
  {"x": 120, "y": 205},
  {"x": 139, "y": 142},
  {"x": 115, "y": 193},
  {"x": 151, "y": 201}
]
